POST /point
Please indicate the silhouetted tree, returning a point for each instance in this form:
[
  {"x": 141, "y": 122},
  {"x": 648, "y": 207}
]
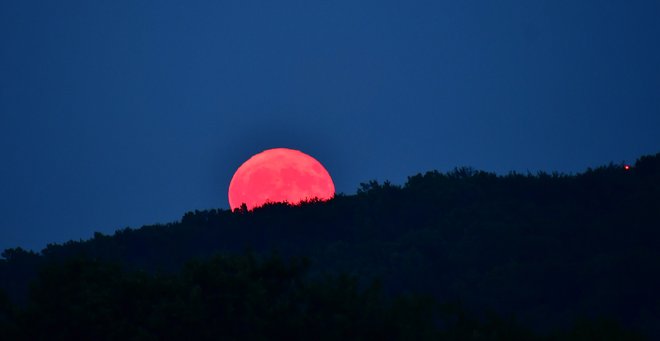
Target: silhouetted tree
[{"x": 546, "y": 247}]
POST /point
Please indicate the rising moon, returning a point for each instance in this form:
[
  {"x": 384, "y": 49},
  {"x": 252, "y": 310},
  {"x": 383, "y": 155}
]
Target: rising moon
[{"x": 279, "y": 175}]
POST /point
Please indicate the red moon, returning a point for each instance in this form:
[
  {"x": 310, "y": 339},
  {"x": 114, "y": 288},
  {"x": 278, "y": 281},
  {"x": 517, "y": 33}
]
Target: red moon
[{"x": 279, "y": 175}]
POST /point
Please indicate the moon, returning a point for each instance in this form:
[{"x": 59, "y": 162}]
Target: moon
[{"x": 279, "y": 175}]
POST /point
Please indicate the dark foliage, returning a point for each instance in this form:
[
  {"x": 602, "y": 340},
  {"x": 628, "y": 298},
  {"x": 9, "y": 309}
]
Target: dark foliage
[
  {"x": 243, "y": 298},
  {"x": 233, "y": 298},
  {"x": 550, "y": 249}
]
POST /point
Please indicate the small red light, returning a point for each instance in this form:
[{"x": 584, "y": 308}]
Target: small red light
[{"x": 626, "y": 167}]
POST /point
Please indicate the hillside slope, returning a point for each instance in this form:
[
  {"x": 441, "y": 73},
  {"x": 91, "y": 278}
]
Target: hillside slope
[{"x": 548, "y": 248}]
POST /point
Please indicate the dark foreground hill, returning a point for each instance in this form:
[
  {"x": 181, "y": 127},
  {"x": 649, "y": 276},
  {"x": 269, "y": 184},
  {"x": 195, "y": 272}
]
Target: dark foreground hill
[{"x": 549, "y": 249}]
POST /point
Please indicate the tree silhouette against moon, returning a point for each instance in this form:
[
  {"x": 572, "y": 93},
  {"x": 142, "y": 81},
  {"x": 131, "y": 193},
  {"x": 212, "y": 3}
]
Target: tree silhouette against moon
[{"x": 279, "y": 175}]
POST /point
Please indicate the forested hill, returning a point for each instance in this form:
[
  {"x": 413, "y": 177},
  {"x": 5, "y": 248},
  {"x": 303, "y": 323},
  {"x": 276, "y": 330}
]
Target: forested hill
[{"x": 549, "y": 248}]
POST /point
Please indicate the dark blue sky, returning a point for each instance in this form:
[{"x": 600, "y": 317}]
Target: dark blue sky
[{"x": 124, "y": 113}]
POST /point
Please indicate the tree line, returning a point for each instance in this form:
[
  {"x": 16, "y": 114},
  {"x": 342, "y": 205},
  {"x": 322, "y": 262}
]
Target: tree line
[{"x": 549, "y": 249}]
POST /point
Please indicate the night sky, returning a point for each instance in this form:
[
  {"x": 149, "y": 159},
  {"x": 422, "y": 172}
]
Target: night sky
[{"x": 125, "y": 113}]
